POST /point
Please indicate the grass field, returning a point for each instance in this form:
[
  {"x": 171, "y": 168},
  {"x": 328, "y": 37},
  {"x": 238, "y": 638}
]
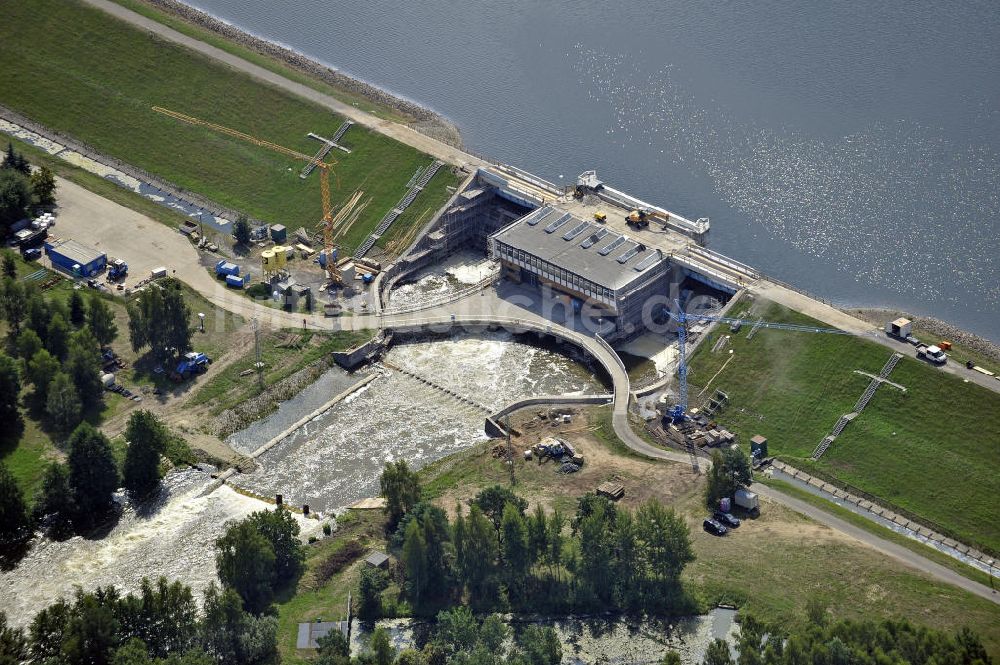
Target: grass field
[
  {"x": 281, "y": 359},
  {"x": 79, "y": 71},
  {"x": 912, "y": 449}
]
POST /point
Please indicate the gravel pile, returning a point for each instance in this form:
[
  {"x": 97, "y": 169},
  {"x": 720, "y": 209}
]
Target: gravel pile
[{"x": 425, "y": 121}]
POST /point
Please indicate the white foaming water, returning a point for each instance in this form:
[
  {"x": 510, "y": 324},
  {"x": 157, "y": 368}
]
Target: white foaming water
[
  {"x": 443, "y": 279},
  {"x": 175, "y": 538},
  {"x": 337, "y": 459}
]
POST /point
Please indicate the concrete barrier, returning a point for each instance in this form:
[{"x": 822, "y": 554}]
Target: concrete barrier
[{"x": 494, "y": 429}]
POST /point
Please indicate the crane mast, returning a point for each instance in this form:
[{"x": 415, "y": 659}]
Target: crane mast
[{"x": 328, "y": 221}]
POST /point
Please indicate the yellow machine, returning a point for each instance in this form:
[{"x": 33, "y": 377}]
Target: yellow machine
[
  {"x": 600, "y": 217},
  {"x": 328, "y": 221},
  {"x": 637, "y": 218}
]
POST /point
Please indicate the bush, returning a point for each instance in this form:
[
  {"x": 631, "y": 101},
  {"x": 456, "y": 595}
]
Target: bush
[
  {"x": 327, "y": 529},
  {"x": 259, "y": 290},
  {"x": 340, "y": 559}
]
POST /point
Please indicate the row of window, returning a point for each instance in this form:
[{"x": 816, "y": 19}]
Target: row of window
[{"x": 555, "y": 273}]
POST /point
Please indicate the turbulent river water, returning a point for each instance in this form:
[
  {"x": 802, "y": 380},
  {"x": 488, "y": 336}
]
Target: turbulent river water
[{"x": 329, "y": 463}]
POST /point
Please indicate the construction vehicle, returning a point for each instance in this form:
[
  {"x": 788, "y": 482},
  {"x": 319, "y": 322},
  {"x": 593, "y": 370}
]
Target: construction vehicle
[
  {"x": 327, "y": 223},
  {"x": 600, "y": 217},
  {"x": 932, "y": 354},
  {"x": 638, "y": 218},
  {"x": 117, "y": 269}
]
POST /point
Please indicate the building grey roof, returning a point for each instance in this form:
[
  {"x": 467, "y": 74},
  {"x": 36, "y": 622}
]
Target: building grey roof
[
  {"x": 77, "y": 252},
  {"x": 377, "y": 558},
  {"x": 309, "y": 633},
  {"x": 589, "y": 249}
]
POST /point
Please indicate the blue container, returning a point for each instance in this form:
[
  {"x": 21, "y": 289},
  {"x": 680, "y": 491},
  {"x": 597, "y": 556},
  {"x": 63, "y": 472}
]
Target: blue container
[
  {"x": 226, "y": 268},
  {"x": 234, "y": 281}
]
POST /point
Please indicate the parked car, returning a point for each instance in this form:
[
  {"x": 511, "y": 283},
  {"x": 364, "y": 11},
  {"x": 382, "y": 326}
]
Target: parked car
[
  {"x": 32, "y": 254},
  {"x": 728, "y": 519},
  {"x": 714, "y": 527}
]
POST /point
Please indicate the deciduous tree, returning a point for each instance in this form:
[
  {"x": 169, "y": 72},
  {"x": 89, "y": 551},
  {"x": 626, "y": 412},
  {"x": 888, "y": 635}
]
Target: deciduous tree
[
  {"x": 93, "y": 475},
  {"x": 10, "y": 390},
  {"x": 43, "y": 186},
  {"x": 401, "y": 489},
  {"x": 54, "y": 503},
  {"x": 62, "y": 403},
  {"x": 101, "y": 321},
  {"x": 15, "y": 523},
  {"x": 147, "y": 438}
]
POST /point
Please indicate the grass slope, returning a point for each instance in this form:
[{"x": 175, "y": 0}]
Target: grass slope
[
  {"x": 912, "y": 449},
  {"x": 82, "y": 72}
]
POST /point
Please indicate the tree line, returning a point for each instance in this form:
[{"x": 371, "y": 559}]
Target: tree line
[
  {"x": 495, "y": 556},
  {"x": 21, "y": 189}
]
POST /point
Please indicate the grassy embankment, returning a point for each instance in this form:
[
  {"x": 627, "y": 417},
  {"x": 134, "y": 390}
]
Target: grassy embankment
[
  {"x": 77, "y": 70},
  {"x": 911, "y": 449},
  {"x": 771, "y": 566}
]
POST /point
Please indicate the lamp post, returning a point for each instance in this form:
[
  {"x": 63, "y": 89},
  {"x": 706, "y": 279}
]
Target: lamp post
[{"x": 201, "y": 321}]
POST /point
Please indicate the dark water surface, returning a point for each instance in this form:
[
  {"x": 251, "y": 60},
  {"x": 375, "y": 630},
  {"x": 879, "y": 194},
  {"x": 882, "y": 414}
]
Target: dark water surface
[{"x": 850, "y": 148}]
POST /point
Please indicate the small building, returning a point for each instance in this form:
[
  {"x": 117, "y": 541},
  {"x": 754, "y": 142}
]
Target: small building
[
  {"x": 310, "y": 633},
  {"x": 378, "y": 560},
  {"x": 899, "y": 328},
  {"x": 278, "y": 233},
  {"x": 76, "y": 258},
  {"x": 758, "y": 446}
]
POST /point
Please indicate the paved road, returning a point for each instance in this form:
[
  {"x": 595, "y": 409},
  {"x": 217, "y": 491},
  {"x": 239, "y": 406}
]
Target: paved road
[{"x": 440, "y": 150}]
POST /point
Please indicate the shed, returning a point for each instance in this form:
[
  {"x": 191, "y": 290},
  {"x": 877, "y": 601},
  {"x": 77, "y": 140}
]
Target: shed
[
  {"x": 377, "y": 560},
  {"x": 278, "y": 233},
  {"x": 310, "y": 633},
  {"x": 758, "y": 446},
  {"x": 900, "y": 327},
  {"x": 76, "y": 258}
]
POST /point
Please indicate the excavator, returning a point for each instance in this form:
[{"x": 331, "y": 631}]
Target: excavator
[{"x": 638, "y": 218}]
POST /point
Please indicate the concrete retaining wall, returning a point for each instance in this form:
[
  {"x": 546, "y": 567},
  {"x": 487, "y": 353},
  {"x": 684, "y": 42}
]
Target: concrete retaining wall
[
  {"x": 359, "y": 355},
  {"x": 494, "y": 429}
]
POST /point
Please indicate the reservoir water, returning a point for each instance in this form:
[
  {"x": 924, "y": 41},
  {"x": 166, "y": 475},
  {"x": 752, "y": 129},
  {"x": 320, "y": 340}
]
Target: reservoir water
[{"x": 852, "y": 149}]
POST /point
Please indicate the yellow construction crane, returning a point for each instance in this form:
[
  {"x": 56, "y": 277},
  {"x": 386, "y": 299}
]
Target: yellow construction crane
[{"x": 329, "y": 221}]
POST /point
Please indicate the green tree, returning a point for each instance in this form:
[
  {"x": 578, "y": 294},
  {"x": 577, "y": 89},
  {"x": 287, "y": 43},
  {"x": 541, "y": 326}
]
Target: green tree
[
  {"x": 101, "y": 321},
  {"x": 241, "y": 230},
  {"x": 8, "y": 265},
  {"x": 415, "y": 562},
  {"x": 83, "y": 364},
  {"x": 15, "y": 196},
  {"x": 730, "y": 471},
  {"x": 57, "y": 335},
  {"x": 540, "y": 646},
  {"x": 401, "y": 489},
  {"x": 671, "y": 658},
  {"x": 281, "y": 530},
  {"x": 477, "y": 558},
  {"x": 370, "y": 587},
  {"x": 62, "y": 403},
  {"x": 718, "y": 653},
  {"x": 160, "y": 319},
  {"x": 54, "y": 503},
  {"x": 93, "y": 475},
  {"x": 492, "y": 501},
  {"x": 516, "y": 550},
  {"x": 163, "y": 615},
  {"x": 334, "y": 649},
  {"x": 45, "y": 634},
  {"x": 10, "y": 391},
  {"x": 15, "y": 161},
  {"x": 28, "y": 344},
  {"x": 41, "y": 369},
  {"x": 77, "y": 309},
  {"x": 15, "y": 523},
  {"x": 381, "y": 647},
  {"x": 43, "y": 186},
  {"x": 233, "y": 637},
  {"x": 666, "y": 541},
  {"x": 147, "y": 439},
  {"x": 15, "y": 304},
  {"x": 133, "y": 652},
  {"x": 245, "y": 562},
  {"x": 91, "y": 635},
  {"x": 13, "y": 646},
  {"x": 456, "y": 630}
]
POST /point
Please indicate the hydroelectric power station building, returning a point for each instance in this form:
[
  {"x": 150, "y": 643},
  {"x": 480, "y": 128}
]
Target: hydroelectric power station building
[{"x": 576, "y": 242}]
